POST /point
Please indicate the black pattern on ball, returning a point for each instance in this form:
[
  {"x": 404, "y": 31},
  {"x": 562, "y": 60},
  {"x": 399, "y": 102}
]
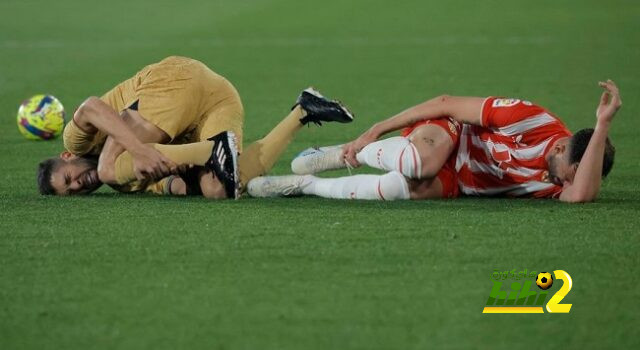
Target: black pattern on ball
[{"x": 544, "y": 280}]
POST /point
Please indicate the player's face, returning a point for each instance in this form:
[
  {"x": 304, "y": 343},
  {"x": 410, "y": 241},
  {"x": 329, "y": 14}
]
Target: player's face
[
  {"x": 561, "y": 171},
  {"x": 75, "y": 175}
]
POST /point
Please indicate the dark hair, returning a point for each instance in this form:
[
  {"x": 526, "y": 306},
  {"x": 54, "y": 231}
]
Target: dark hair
[
  {"x": 45, "y": 168},
  {"x": 578, "y": 145}
]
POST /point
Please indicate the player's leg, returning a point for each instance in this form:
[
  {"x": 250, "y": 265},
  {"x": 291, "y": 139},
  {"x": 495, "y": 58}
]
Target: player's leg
[
  {"x": 190, "y": 154},
  {"x": 419, "y": 154},
  {"x": 261, "y": 155},
  {"x": 427, "y": 189},
  {"x": 208, "y": 156},
  {"x": 443, "y": 185},
  {"x": 412, "y": 159},
  {"x": 433, "y": 145},
  {"x": 390, "y": 186},
  {"x": 226, "y": 115}
]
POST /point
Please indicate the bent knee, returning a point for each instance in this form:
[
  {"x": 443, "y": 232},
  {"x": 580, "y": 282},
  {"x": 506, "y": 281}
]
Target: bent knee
[
  {"x": 434, "y": 147},
  {"x": 393, "y": 186}
]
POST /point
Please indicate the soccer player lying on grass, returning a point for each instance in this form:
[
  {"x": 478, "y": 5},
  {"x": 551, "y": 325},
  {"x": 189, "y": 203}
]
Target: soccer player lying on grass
[
  {"x": 476, "y": 146},
  {"x": 122, "y": 139}
]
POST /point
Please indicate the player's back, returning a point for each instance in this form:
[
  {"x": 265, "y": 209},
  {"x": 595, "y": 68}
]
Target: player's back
[
  {"x": 181, "y": 76},
  {"x": 176, "y": 95},
  {"x": 507, "y": 154}
]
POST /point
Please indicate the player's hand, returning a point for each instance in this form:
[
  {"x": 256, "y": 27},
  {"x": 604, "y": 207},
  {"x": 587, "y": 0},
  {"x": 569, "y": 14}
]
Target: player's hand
[
  {"x": 149, "y": 163},
  {"x": 181, "y": 169},
  {"x": 352, "y": 148},
  {"x": 610, "y": 102}
]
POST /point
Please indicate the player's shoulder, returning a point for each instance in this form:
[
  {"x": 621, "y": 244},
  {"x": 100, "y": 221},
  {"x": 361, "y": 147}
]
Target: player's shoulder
[
  {"x": 500, "y": 102},
  {"x": 502, "y": 111}
]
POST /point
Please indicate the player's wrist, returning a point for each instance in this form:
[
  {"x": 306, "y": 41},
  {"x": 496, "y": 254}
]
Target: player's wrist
[
  {"x": 603, "y": 125},
  {"x": 375, "y": 131},
  {"x": 136, "y": 148}
]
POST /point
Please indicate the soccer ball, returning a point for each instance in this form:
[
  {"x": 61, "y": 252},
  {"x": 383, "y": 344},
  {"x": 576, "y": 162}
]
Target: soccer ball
[
  {"x": 41, "y": 117},
  {"x": 544, "y": 280}
]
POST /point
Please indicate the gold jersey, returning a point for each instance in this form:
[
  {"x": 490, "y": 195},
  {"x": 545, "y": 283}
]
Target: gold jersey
[{"x": 179, "y": 95}]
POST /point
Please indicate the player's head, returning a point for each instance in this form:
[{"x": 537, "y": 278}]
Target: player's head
[
  {"x": 68, "y": 175},
  {"x": 567, "y": 153}
]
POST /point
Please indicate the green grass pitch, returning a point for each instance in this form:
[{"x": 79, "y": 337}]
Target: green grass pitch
[{"x": 114, "y": 271}]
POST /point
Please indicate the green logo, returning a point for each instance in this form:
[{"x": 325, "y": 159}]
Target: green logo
[{"x": 520, "y": 296}]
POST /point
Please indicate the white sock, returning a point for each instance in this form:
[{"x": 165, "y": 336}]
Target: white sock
[
  {"x": 395, "y": 153},
  {"x": 390, "y": 186}
]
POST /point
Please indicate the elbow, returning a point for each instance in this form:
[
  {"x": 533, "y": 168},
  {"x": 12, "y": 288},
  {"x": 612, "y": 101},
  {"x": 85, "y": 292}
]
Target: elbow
[
  {"x": 86, "y": 108},
  {"x": 442, "y": 98},
  {"x": 106, "y": 175},
  {"x": 576, "y": 200},
  {"x": 82, "y": 115},
  {"x": 579, "y": 198}
]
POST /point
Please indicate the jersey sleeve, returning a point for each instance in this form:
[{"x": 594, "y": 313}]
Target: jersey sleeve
[
  {"x": 498, "y": 112},
  {"x": 162, "y": 187},
  {"x": 552, "y": 192},
  {"x": 77, "y": 141}
]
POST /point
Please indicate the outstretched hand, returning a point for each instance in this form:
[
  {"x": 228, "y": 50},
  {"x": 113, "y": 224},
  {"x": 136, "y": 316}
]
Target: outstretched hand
[{"x": 610, "y": 102}]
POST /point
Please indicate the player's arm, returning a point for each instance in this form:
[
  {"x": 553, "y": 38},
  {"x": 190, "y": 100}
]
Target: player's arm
[
  {"x": 144, "y": 132},
  {"x": 466, "y": 110},
  {"x": 107, "y": 165},
  {"x": 462, "y": 109},
  {"x": 586, "y": 182},
  {"x": 94, "y": 114}
]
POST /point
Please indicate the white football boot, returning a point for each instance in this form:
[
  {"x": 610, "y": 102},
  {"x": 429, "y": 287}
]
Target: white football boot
[
  {"x": 278, "y": 186},
  {"x": 318, "y": 159}
]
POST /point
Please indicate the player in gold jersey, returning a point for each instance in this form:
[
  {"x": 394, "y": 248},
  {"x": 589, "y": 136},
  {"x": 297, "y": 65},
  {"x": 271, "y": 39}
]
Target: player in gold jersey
[{"x": 172, "y": 115}]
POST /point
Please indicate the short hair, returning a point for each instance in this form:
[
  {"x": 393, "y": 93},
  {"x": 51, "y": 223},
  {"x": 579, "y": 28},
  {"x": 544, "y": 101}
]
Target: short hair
[
  {"x": 45, "y": 168},
  {"x": 578, "y": 145}
]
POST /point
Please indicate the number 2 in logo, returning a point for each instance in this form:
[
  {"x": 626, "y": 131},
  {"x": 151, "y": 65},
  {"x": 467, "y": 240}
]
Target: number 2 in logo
[{"x": 554, "y": 305}]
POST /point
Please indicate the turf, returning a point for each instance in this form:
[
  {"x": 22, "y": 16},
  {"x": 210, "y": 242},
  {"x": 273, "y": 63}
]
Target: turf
[{"x": 115, "y": 271}]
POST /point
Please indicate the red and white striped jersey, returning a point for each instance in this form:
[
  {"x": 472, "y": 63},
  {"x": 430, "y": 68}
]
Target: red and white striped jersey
[{"x": 506, "y": 155}]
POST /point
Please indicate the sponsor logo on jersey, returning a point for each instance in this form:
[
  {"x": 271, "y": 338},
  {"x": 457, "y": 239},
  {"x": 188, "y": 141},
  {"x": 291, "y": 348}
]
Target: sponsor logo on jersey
[
  {"x": 452, "y": 127},
  {"x": 505, "y": 102}
]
